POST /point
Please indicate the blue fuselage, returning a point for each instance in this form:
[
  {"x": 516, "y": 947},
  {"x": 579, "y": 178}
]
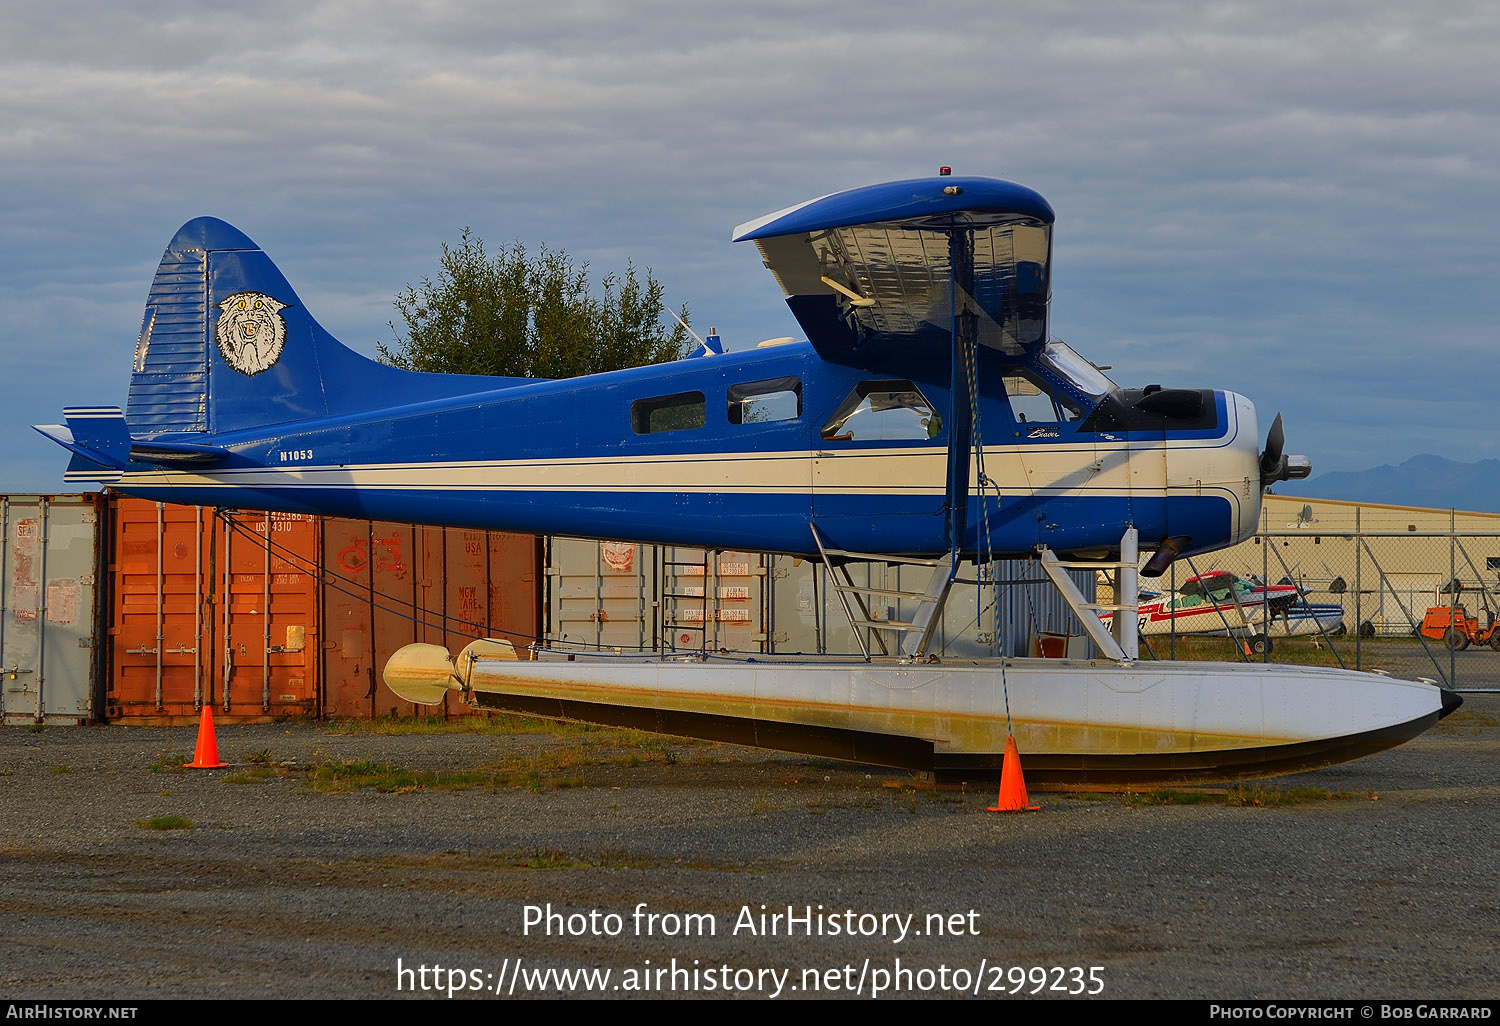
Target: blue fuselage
[{"x": 743, "y": 450}]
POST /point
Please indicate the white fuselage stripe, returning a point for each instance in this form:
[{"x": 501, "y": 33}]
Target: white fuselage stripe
[{"x": 1057, "y": 470}]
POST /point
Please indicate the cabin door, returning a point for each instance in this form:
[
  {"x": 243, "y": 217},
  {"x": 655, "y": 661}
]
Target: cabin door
[{"x": 879, "y": 478}]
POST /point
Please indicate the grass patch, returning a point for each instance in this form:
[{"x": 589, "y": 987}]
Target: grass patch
[
  {"x": 254, "y": 775},
  {"x": 496, "y": 723},
  {"x": 550, "y": 859},
  {"x": 60, "y": 769},
  {"x": 1169, "y": 797},
  {"x": 592, "y": 735},
  {"x": 534, "y": 771},
  {"x": 1466, "y": 721},
  {"x": 1298, "y": 651},
  {"x": 170, "y": 763},
  {"x": 541, "y": 859},
  {"x": 390, "y": 779},
  {"x": 36, "y": 728},
  {"x": 165, "y": 823},
  {"x": 1239, "y": 796}
]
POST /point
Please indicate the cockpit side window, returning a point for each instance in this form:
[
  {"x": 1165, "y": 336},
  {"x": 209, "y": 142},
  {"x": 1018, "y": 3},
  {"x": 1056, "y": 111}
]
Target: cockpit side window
[
  {"x": 889, "y": 411},
  {"x": 1033, "y": 401}
]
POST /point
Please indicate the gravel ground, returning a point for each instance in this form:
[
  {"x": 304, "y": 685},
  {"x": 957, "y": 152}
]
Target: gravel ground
[{"x": 1381, "y": 885}]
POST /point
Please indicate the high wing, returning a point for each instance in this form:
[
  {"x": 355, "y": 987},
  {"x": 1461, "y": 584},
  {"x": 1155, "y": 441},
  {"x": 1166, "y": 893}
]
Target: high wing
[{"x": 880, "y": 274}]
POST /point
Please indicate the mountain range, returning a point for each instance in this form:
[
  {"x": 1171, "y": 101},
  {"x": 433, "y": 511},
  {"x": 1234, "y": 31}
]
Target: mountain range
[{"x": 1423, "y": 480}]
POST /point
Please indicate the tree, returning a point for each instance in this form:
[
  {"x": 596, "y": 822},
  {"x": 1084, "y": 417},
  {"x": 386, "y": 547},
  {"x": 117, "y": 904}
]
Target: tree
[{"x": 528, "y": 317}]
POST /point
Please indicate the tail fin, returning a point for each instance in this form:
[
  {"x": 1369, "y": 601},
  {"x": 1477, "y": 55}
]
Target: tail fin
[{"x": 226, "y": 345}]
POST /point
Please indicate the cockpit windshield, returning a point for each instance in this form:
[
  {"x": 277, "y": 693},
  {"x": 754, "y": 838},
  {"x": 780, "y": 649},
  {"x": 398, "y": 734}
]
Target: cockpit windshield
[{"x": 1060, "y": 358}]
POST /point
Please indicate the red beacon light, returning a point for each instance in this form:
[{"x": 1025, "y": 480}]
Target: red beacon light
[{"x": 945, "y": 171}]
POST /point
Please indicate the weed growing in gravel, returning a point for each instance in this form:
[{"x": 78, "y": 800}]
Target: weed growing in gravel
[
  {"x": 1221, "y": 650},
  {"x": 165, "y": 823},
  {"x": 535, "y": 771},
  {"x": 1263, "y": 797},
  {"x": 545, "y": 859},
  {"x": 169, "y": 763},
  {"x": 495, "y": 723},
  {"x": 1466, "y": 721},
  {"x": 60, "y": 769},
  {"x": 386, "y": 778},
  {"x": 533, "y": 858},
  {"x": 252, "y": 776},
  {"x": 549, "y": 859},
  {"x": 36, "y": 728},
  {"x": 1239, "y": 796},
  {"x": 1165, "y": 797},
  {"x": 591, "y": 735},
  {"x": 262, "y": 757}
]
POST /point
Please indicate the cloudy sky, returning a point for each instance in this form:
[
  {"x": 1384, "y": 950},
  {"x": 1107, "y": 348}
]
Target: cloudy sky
[{"x": 1296, "y": 201}]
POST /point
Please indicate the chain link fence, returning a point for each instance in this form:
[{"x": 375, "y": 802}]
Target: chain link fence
[{"x": 1405, "y": 602}]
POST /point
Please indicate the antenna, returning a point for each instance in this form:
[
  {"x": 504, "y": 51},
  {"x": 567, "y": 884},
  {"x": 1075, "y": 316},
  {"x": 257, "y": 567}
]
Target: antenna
[{"x": 688, "y": 329}]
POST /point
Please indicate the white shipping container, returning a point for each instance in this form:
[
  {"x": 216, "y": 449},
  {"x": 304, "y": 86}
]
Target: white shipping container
[{"x": 49, "y": 572}]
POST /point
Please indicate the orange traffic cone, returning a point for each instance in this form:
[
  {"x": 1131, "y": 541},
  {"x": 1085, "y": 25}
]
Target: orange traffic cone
[
  {"x": 1012, "y": 796},
  {"x": 206, "y": 755}
]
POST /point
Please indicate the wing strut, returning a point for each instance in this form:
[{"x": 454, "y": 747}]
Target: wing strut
[
  {"x": 916, "y": 633},
  {"x": 961, "y": 392},
  {"x": 1122, "y": 649}
]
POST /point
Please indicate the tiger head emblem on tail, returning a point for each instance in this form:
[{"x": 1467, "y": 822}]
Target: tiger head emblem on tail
[{"x": 251, "y": 331}]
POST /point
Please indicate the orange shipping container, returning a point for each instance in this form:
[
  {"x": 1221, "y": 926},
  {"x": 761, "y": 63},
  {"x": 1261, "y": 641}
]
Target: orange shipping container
[
  {"x": 209, "y": 608},
  {"x": 273, "y": 615},
  {"x": 388, "y": 585}
]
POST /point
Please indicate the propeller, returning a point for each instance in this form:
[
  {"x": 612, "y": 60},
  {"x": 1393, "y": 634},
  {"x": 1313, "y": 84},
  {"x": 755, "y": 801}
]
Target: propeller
[{"x": 1276, "y": 466}]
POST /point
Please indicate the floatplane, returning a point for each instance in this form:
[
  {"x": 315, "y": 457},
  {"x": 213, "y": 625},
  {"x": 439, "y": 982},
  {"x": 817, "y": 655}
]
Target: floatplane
[{"x": 928, "y": 418}]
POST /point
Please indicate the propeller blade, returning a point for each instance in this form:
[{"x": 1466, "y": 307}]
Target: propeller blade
[{"x": 1275, "y": 442}]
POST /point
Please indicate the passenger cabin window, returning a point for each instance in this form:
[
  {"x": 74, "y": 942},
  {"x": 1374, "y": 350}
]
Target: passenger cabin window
[
  {"x": 764, "y": 402},
  {"x": 680, "y": 412},
  {"x": 1033, "y": 402},
  {"x": 888, "y": 411}
]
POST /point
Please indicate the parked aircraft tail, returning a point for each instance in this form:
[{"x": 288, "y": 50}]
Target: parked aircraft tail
[{"x": 226, "y": 344}]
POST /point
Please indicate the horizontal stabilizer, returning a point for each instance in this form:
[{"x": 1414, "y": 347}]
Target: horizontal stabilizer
[
  {"x": 97, "y": 437},
  {"x": 82, "y": 469},
  {"x": 102, "y": 448}
]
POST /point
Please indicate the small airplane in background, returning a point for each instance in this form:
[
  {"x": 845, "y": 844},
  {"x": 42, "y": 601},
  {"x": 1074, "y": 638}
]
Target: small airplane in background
[
  {"x": 1226, "y": 604},
  {"x": 928, "y": 418}
]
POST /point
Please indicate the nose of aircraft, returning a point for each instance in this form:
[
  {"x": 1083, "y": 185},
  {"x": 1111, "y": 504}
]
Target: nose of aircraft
[{"x": 1232, "y": 465}]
